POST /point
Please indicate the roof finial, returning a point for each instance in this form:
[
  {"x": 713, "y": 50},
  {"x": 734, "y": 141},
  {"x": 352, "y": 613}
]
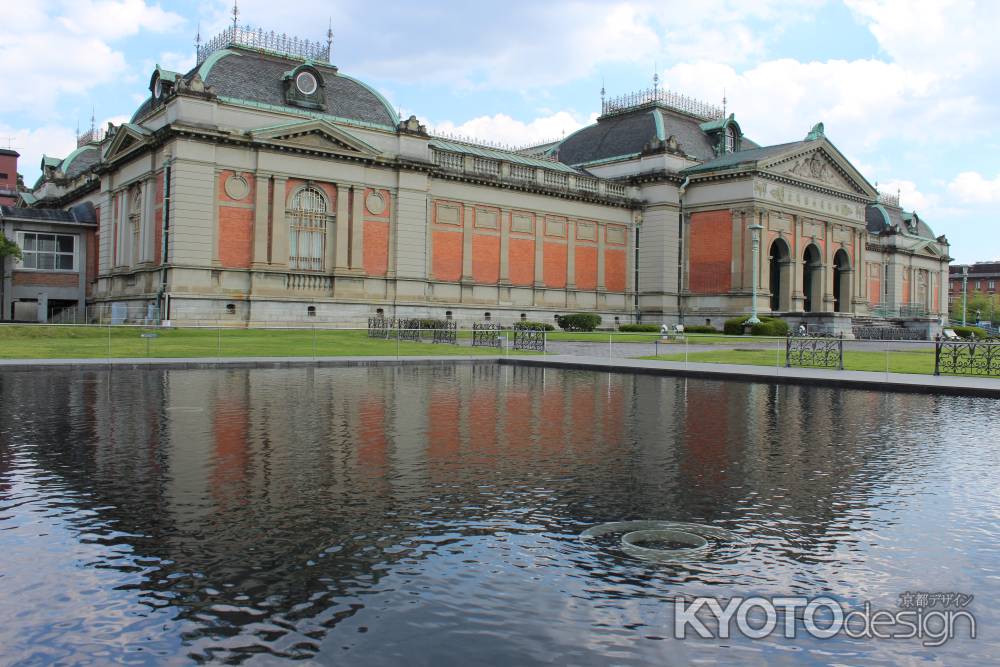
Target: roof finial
[
  {"x": 197, "y": 42},
  {"x": 602, "y": 94},
  {"x": 656, "y": 77},
  {"x": 236, "y": 15},
  {"x": 723, "y": 102},
  {"x": 92, "y": 126}
]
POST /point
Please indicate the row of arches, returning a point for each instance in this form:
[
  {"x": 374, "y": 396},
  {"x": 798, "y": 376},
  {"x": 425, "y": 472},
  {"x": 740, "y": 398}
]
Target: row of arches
[{"x": 780, "y": 267}]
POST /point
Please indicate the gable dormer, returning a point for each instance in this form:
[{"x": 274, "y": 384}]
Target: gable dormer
[
  {"x": 304, "y": 87},
  {"x": 161, "y": 84},
  {"x": 725, "y": 133}
]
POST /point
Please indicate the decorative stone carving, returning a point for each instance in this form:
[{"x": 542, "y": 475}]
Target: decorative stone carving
[
  {"x": 375, "y": 202},
  {"x": 237, "y": 187}
]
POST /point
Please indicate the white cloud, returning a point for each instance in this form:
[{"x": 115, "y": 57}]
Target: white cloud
[
  {"x": 32, "y": 144},
  {"x": 971, "y": 187},
  {"x": 507, "y": 131},
  {"x": 55, "y": 49}
]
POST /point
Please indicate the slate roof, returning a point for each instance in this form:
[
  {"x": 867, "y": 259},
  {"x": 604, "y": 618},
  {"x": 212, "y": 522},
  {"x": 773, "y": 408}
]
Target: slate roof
[
  {"x": 258, "y": 78},
  {"x": 880, "y": 218},
  {"x": 627, "y": 134},
  {"x": 81, "y": 214},
  {"x": 80, "y": 160}
]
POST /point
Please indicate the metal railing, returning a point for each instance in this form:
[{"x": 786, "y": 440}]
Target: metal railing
[
  {"x": 967, "y": 357},
  {"x": 814, "y": 351}
]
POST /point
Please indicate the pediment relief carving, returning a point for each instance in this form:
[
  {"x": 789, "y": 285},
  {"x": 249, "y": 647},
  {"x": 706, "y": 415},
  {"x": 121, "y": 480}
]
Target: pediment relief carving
[
  {"x": 315, "y": 135},
  {"x": 815, "y": 167}
]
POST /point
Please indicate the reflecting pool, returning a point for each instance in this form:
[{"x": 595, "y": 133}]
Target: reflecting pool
[{"x": 433, "y": 515}]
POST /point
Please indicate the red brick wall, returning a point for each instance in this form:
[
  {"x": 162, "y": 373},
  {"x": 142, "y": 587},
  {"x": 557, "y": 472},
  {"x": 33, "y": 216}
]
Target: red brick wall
[
  {"x": 485, "y": 258},
  {"x": 376, "y": 247},
  {"x": 42, "y": 279},
  {"x": 554, "y": 265},
  {"x": 235, "y": 237},
  {"x": 711, "y": 252},
  {"x": 614, "y": 270},
  {"x": 586, "y": 267},
  {"x": 446, "y": 260},
  {"x": 522, "y": 261}
]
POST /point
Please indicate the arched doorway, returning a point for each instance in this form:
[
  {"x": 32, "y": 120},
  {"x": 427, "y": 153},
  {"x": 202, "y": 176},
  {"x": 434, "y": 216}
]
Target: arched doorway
[
  {"x": 780, "y": 274},
  {"x": 841, "y": 282},
  {"x": 812, "y": 279}
]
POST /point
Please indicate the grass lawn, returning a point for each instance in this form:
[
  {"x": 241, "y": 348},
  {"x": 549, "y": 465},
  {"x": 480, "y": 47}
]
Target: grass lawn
[
  {"x": 82, "y": 342},
  {"x": 899, "y": 362}
]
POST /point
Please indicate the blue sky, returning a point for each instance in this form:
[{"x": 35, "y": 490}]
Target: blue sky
[{"x": 909, "y": 90}]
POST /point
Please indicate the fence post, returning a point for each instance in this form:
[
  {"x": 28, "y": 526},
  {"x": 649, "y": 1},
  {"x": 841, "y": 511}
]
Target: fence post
[
  {"x": 937, "y": 354},
  {"x": 611, "y": 353},
  {"x": 788, "y": 350},
  {"x": 840, "y": 349}
]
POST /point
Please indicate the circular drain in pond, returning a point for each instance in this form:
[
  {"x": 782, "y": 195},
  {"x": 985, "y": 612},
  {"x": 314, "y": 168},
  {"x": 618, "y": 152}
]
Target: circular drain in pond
[{"x": 665, "y": 541}]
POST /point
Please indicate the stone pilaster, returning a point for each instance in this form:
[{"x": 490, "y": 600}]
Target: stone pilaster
[
  {"x": 260, "y": 219},
  {"x": 279, "y": 227}
]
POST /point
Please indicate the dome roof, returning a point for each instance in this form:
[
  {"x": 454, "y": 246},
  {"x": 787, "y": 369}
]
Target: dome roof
[
  {"x": 258, "y": 78},
  {"x": 628, "y": 133}
]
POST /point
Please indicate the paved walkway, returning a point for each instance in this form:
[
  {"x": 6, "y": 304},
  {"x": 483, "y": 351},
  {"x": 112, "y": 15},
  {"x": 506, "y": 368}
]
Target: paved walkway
[{"x": 969, "y": 386}]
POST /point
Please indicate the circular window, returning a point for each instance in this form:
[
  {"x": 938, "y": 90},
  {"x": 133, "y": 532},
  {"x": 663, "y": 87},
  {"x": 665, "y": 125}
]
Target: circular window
[
  {"x": 157, "y": 88},
  {"x": 306, "y": 83}
]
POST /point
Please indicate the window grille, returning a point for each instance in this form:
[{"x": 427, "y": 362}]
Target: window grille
[{"x": 307, "y": 220}]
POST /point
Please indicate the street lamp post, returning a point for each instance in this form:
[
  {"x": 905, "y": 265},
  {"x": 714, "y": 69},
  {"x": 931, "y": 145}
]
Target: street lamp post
[
  {"x": 755, "y": 231},
  {"x": 965, "y": 290}
]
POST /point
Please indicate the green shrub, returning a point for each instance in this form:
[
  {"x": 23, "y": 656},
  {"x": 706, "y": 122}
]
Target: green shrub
[
  {"x": 535, "y": 326},
  {"x": 769, "y": 326},
  {"x": 639, "y": 328},
  {"x": 967, "y": 332},
  {"x": 432, "y": 324},
  {"x": 579, "y": 321},
  {"x": 699, "y": 328}
]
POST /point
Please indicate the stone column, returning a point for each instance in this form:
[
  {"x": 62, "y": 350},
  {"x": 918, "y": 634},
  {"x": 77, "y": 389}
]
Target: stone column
[
  {"x": 343, "y": 237},
  {"x": 279, "y": 228},
  {"x": 260, "y": 221},
  {"x": 539, "y": 250},
  {"x": 330, "y": 246},
  {"x": 467, "y": 231},
  {"x": 570, "y": 254},
  {"x": 358, "y": 231},
  {"x": 601, "y": 230},
  {"x": 504, "y": 222}
]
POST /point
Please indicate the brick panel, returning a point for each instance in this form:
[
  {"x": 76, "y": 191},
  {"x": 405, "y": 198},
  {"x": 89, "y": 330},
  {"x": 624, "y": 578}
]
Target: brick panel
[
  {"x": 614, "y": 270},
  {"x": 485, "y": 258},
  {"x": 522, "y": 261},
  {"x": 376, "y": 241},
  {"x": 446, "y": 261},
  {"x": 586, "y": 267},
  {"x": 235, "y": 237},
  {"x": 42, "y": 279},
  {"x": 711, "y": 252},
  {"x": 554, "y": 265},
  {"x": 223, "y": 195}
]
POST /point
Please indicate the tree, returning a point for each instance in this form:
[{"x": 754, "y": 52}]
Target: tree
[{"x": 8, "y": 248}]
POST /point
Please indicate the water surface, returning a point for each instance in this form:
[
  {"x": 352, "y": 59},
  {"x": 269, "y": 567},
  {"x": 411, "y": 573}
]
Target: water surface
[{"x": 431, "y": 515}]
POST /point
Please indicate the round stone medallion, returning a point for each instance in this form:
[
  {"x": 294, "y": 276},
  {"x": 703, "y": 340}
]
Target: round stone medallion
[
  {"x": 237, "y": 187},
  {"x": 375, "y": 202}
]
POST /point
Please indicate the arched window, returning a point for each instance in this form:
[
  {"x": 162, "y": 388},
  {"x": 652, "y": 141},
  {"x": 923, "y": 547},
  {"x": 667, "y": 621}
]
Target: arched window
[
  {"x": 730, "y": 139},
  {"x": 307, "y": 219}
]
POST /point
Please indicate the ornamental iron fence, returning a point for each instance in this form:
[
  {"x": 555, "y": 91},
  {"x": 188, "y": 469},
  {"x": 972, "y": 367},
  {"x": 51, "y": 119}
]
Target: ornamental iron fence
[
  {"x": 446, "y": 331},
  {"x": 408, "y": 329},
  {"x": 814, "y": 351},
  {"x": 529, "y": 339},
  {"x": 378, "y": 327},
  {"x": 486, "y": 334},
  {"x": 967, "y": 357},
  {"x": 887, "y": 333}
]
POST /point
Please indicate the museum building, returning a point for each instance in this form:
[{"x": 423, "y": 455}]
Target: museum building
[{"x": 267, "y": 185}]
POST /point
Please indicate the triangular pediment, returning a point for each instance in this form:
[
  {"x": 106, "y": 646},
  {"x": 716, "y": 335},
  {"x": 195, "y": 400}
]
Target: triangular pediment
[
  {"x": 314, "y": 135},
  {"x": 820, "y": 163},
  {"x": 128, "y": 138}
]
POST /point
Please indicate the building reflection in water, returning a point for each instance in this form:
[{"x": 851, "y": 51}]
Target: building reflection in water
[{"x": 284, "y": 495}]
